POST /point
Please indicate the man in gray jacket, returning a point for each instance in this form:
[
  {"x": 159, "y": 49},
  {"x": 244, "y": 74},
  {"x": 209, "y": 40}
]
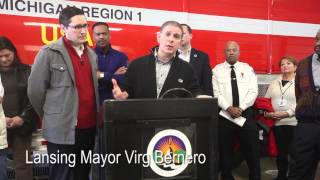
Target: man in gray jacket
[{"x": 63, "y": 90}]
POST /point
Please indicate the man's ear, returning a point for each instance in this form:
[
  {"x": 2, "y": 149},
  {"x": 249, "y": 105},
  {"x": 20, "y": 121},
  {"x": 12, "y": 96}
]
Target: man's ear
[
  {"x": 158, "y": 37},
  {"x": 63, "y": 28}
]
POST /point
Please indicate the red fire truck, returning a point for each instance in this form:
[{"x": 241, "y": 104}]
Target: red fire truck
[{"x": 265, "y": 29}]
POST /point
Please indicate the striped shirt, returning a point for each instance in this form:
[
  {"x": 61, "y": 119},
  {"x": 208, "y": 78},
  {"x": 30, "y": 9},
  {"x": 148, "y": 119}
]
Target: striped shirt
[{"x": 162, "y": 71}]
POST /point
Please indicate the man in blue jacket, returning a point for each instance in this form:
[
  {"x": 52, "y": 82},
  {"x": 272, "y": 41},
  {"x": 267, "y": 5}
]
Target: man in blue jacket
[{"x": 111, "y": 63}]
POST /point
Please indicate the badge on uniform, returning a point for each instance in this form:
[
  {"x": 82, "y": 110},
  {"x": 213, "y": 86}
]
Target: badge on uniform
[{"x": 180, "y": 80}]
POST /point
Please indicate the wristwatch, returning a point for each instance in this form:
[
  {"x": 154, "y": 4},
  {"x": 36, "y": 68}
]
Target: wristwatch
[{"x": 101, "y": 75}]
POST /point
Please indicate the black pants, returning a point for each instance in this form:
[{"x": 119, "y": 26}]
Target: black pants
[
  {"x": 306, "y": 151},
  {"x": 20, "y": 144},
  {"x": 249, "y": 143},
  {"x": 72, "y": 169},
  {"x": 284, "y": 137},
  {"x": 3, "y": 164}
]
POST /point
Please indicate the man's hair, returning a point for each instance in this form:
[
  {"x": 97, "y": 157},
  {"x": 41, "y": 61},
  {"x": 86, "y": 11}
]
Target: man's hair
[
  {"x": 5, "y": 43},
  {"x": 100, "y": 23},
  {"x": 172, "y": 23},
  {"x": 234, "y": 42},
  {"x": 318, "y": 35},
  {"x": 188, "y": 27},
  {"x": 67, "y": 13},
  {"x": 290, "y": 59}
]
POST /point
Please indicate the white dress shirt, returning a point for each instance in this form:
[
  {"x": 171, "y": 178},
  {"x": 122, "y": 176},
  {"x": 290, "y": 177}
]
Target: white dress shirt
[
  {"x": 185, "y": 56},
  {"x": 246, "y": 80},
  {"x": 1, "y": 89},
  {"x": 316, "y": 70}
]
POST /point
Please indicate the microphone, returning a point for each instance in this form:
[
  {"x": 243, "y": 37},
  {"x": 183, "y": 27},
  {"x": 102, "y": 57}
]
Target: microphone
[{"x": 176, "y": 93}]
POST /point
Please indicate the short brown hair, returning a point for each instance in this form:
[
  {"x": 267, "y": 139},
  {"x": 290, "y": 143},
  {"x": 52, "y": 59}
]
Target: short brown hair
[
  {"x": 173, "y": 23},
  {"x": 188, "y": 27},
  {"x": 318, "y": 35},
  {"x": 290, "y": 59},
  {"x": 67, "y": 13}
]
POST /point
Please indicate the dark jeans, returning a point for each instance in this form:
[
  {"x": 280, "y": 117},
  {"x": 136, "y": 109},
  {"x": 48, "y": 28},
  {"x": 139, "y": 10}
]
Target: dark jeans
[
  {"x": 3, "y": 164},
  {"x": 249, "y": 143},
  {"x": 20, "y": 144},
  {"x": 284, "y": 137},
  {"x": 84, "y": 142},
  {"x": 306, "y": 151}
]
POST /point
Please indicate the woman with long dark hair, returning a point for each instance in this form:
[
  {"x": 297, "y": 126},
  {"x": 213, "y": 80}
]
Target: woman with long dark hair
[{"x": 20, "y": 116}]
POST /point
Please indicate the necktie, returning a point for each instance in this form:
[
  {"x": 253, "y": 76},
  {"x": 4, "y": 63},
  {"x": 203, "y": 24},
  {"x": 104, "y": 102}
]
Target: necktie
[{"x": 234, "y": 86}]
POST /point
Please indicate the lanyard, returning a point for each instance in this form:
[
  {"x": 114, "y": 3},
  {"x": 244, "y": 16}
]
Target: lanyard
[{"x": 285, "y": 90}]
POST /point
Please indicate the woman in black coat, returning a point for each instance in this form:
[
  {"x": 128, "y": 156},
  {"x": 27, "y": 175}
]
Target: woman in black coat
[{"x": 20, "y": 116}]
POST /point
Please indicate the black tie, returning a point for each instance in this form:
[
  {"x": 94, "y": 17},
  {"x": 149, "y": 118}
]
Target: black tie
[{"x": 234, "y": 86}]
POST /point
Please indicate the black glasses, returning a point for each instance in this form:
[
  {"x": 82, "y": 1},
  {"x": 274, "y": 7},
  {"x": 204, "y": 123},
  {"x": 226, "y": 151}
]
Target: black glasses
[{"x": 79, "y": 26}]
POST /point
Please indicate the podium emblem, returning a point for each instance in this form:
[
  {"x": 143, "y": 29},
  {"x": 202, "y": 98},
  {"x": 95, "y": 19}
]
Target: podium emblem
[{"x": 170, "y": 152}]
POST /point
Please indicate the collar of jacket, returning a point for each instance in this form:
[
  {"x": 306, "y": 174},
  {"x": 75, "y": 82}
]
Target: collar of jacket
[
  {"x": 154, "y": 52},
  {"x": 236, "y": 64},
  {"x": 60, "y": 46},
  {"x": 101, "y": 50}
]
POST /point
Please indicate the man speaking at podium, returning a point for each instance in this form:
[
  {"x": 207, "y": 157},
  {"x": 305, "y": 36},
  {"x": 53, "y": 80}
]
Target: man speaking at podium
[{"x": 152, "y": 75}]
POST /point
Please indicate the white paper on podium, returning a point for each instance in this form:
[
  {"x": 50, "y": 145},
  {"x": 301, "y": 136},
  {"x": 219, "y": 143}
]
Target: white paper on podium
[{"x": 239, "y": 121}]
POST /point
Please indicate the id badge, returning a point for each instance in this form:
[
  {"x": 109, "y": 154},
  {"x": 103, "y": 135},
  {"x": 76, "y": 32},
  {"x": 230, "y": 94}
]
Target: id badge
[{"x": 282, "y": 102}]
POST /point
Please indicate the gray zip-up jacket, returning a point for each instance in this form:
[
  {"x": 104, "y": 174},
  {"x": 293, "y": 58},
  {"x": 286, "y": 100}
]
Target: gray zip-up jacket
[{"x": 53, "y": 94}]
